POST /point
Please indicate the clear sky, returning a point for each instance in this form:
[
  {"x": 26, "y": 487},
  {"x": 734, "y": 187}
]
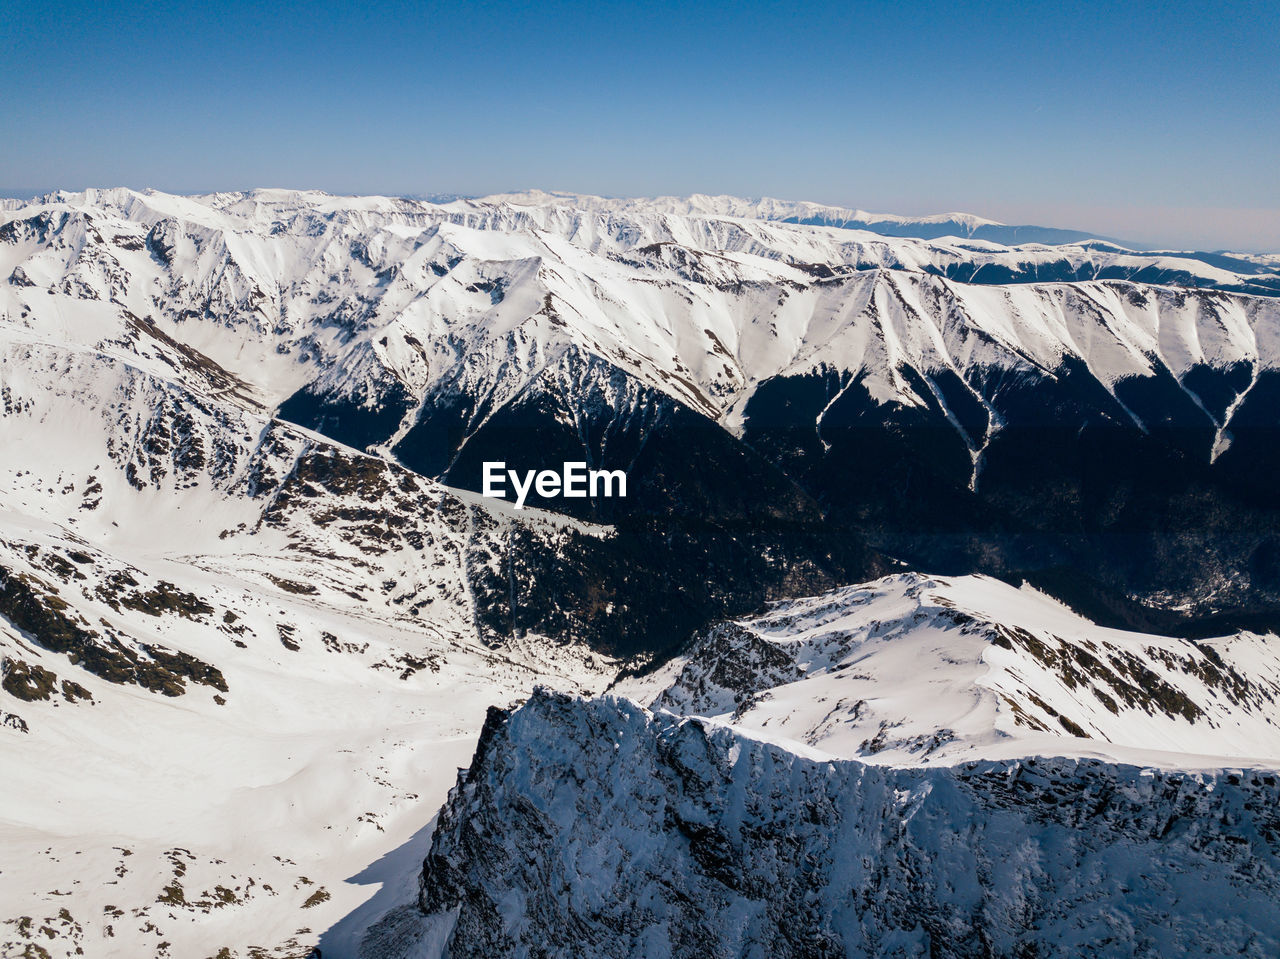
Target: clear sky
[{"x": 1157, "y": 122}]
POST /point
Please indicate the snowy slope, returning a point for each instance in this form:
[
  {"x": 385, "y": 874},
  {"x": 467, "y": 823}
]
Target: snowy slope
[
  {"x": 913, "y": 669},
  {"x": 288, "y": 288},
  {"x": 368, "y": 317},
  {"x": 817, "y": 214},
  {"x": 915, "y": 766},
  {"x": 594, "y": 827},
  {"x": 377, "y": 314},
  {"x": 237, "y": 658}
]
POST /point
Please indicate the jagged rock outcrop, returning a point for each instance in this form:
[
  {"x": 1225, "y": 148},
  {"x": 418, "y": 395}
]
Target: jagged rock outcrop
[{"x": 598, "y": 829}]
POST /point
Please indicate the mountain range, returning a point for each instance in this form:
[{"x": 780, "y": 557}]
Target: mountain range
[{"x": 918, "y": 510}]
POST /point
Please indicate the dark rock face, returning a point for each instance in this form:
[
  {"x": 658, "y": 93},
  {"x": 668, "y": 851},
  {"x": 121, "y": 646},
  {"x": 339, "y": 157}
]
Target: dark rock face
[
  {"x": 650, "y": 585},
  {"x": 358, "y": 422},
  {"x": 51, "y": 624},
  {"x": 1123, "y": 521},
  {"x": 709, "y": 528},
  {"x": 1131, "y": 503},
  {"x": 593, "y": 828}
]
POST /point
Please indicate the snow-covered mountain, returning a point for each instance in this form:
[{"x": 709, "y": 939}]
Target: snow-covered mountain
[
  {"x": 236, "y": 659},
  {"x": 1045, "y": 408},
  {"x": 912, "y": 669},
  {"x": 597, "y": 828},
  {"x": 965, "y": 225},
  {"x": 911, "y": 767},
  {"x": 252, "y": 609}
]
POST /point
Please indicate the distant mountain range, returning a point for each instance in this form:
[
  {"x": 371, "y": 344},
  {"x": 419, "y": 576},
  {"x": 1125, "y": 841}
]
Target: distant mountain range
[{"x": 936, "y": 226}]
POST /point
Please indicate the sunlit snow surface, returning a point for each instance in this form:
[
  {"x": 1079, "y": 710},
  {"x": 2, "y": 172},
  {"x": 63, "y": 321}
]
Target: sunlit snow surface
[
  {"x": 145, "y": 340},
  {"x": 914, "y": 669},
  {"x": 355, "y": 678}
]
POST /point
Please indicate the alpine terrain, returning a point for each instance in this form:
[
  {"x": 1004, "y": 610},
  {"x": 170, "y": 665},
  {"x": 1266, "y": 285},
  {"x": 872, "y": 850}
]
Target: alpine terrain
[{"x": 938, "y": 619}]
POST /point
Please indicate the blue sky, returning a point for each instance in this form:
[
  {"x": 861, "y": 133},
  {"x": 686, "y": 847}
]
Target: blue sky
[{"x": 1153, "y": 121}]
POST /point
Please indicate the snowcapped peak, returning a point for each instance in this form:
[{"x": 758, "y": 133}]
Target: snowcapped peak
[
  {"x": 913, "y": 669},
  {"x": 724, "y": 205}
]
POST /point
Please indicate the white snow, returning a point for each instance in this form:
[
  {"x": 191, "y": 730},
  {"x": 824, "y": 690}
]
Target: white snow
[
  {"x": 915, "y": 670},
  {"x": 145, "y": 340}
]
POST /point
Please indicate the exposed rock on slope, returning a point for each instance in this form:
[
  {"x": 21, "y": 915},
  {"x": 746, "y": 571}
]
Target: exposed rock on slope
[
  {"x": 916, "y": 766},
  {"x": 1024, "y": 411},
  {"x": 918, "y": 669},
  {"x": 594, "y": 828}
]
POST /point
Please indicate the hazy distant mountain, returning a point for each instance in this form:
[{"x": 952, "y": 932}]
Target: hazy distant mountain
[{"x": 961, "y": 225}]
